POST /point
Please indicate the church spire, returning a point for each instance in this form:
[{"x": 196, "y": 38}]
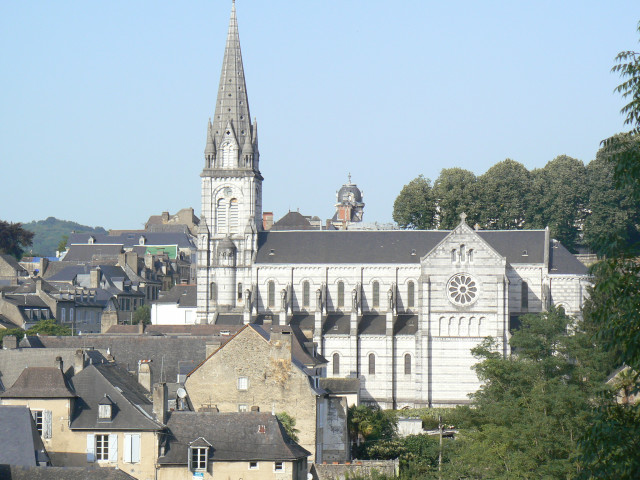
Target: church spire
[{"x": 232, "y": 105}]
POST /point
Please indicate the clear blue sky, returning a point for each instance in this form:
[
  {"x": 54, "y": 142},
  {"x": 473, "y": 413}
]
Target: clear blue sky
[{"x": 104, "y": 105}]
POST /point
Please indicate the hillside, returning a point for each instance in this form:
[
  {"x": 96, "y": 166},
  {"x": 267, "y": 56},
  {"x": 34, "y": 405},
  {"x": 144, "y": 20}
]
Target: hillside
[{"x": 49, "y": 233}]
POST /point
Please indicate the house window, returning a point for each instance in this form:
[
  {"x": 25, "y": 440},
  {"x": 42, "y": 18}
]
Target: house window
[
  {"x": 63, "y": 315},
  {"x": 278, "y": 466},
  {"x": 305, "y": 294},
  {"x": 336, "y": 364},
  {"x": 243, "y": 383},
  {"x": 243, "y": 407},
  {"x": 102, "y": 447},
  {"x": 372, "y": 364},
  {"x": 410, "y": 295},
  {"x": 104, "y": 411},
  {"x": 239, "y": 291},
  {"x": 71, "y": 314},
  {"x": 128, "y": 304},
  {"x": 271, "y": 294},
  {"x": 340, "y": 294},
  {"x": 213, "y": 292},
  {"x": 198, "y": 458},
  {"x": 253, "y": 465},
  {"x": 376, "y": 294},
  {"x": 407, "y": 364},
  {"x": 524, "y": 299},
  {"x": 38, "y": 418},
  {"x": 132, "y": 448}
]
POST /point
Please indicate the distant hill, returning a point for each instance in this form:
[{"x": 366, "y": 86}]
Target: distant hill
[{"x": 49, "y": 233}]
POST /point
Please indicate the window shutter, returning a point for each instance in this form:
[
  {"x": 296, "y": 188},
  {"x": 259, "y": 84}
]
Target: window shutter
[
  {"x": 135, "y": 448},
  {"x": 190, "y": 458},
  {"x": 127, "y": 448},
  {"x": 91, "y": 448},
  {"x": 113, "y": 448},
  {"x": 46, "y": 423}
]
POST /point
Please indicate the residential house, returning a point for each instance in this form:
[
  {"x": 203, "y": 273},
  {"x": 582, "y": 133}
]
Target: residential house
[
  {"x": 20, "y": 442},
  {"x": 175, "y": 307},
  {"x": 214, "y": 446},
  {"x": 11, "y": 271}
]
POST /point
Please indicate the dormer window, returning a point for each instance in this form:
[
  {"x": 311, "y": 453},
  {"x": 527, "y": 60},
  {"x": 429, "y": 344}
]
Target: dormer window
[
  {"x": 105, "y": 409},
  {"x": 198, "y": 457}
]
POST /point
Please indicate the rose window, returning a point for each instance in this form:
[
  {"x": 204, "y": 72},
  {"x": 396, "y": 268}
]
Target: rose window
[{"x": 462, "y": 289}]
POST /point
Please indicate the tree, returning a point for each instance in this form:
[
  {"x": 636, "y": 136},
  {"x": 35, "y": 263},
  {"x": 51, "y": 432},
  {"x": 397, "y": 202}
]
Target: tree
[
  {"x": 414, "y": 208},
  {"x": 62, "y": 246},
  {"x": 559, "y": 196},
  {"x": 369, "y": 424},
  {"x": 533, "y": 406},
  {"x": 289, "y": 424},
  {"x": 14, "y": 239},
  {"x": 142, "y": 315},
  {"x": 504, "y": 192},
  {"x": 49, "y": 327},
  {"x": 455, "y": 192},
  {"x": 610, "y": 448}
]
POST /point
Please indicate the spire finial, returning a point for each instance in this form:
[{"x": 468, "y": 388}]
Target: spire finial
[
  {"x": 349, "y": 177},
  {"x": 463, "y": 217}
]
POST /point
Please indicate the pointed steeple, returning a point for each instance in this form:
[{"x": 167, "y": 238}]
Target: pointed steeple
[
  {"x": 232, "y": 105},
  {"x": 210, "y": 148}
]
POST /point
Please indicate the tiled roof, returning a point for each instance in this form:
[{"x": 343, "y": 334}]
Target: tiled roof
[
  {"x": 563, "y": 262},
  {"x": 233, "y": 437},
  {"x": 40, "y": 382},
  {"x": 183, "y": 295},
  {"x": 92, "y": 253},
  {"x": 182, "y": 240}
]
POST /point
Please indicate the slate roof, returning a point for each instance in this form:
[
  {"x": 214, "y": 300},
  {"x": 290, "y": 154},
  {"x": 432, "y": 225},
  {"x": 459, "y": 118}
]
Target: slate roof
[
  {"x": 92, "y": 253},
  {"x": 293, "y": 221},
  {"x": 563, "y": 262},
  {"x": 14, "y": 472},
  {"x": 372, "y": 325},
  {"x": 131, "y": 239},
  {"x": 406, "y": 324},
  {"x": 132, "y": 408},
  {"x": 337, "y": 324},
  {"x": 13, "y": 263},
  {"x": 233, "y": 437},
  {"x": 340, "y": 386},
  {"x": 40, "y": 382},
  {"x": 396, "y": 246},
  {"x": 20, "y": 442}
]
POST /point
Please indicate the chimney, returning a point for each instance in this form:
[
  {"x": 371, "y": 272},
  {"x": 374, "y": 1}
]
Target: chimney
[
  {"x": 132, "y": 260},
  {"x": 95, "y": 277},
  {"x": 160, "y": 402},
  {"x": 144, "y": 374},
  {"x": 38, "y": 285},
  {"x": 10, "y": 342},
  {"x": 212, "y": 347},
  {"x": 58, "y": 362},
  {"x": 267, "y": 220},
  {"x": 78, "y": 365},
  {"x": 44, "y": 264}
]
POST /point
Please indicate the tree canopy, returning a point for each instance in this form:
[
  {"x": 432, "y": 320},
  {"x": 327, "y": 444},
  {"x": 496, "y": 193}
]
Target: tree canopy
[{"x": 14, "y": 239}]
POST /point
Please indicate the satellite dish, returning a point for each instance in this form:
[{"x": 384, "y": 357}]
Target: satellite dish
[{"x": 182, "y": 393}]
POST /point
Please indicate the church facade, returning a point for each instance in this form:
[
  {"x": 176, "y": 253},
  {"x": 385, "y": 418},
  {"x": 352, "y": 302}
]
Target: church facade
[{"x": 400, "y": 310}]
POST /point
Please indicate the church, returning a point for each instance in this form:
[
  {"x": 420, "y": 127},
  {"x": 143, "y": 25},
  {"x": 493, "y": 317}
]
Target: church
[{"x": 398, "y": 309}]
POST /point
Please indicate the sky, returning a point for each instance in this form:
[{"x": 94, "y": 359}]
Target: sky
[{"x": 104, "y": 105}]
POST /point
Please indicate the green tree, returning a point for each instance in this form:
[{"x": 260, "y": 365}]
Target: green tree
[
  {"x": 455, "y": 191},
  {"x": 142, "y": 315},
  {"x": 415, "y": 208},
  {"x": 504, "y": 192},
  {"x": 533, "y": 406},
  {"x": 18, "y": 332},
  {"x": 368, "y": 425},
  {"x": 48, "y": 327},
  {"x": 610, "y": 449},
  {"x": 559, "y": 197},
  {"x": 289, "y": 424},
  {"x": 62, "y": 246},
  {"x": 14, "y": 239}
]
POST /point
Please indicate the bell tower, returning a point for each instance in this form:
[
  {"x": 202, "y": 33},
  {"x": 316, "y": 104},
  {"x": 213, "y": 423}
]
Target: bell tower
[{"x": 231, "y": 191}]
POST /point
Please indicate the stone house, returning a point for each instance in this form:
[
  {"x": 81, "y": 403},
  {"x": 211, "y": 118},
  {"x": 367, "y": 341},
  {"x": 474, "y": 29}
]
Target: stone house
[
  {"x": 256, "y": 371},
  {"x": 246, "y": 445},
  {"x": 11, "y": 271}
]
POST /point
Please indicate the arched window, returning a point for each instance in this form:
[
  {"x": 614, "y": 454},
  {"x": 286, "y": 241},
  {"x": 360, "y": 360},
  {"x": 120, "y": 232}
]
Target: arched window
[
  {"x": 372, "y": 364},
  {"x": 470, "y": 255},
  {"x": 305, "y": 294},
  {"x": 213, "y": 292},
  {"x": 239, "y": 291},
  {"x": 71, "y": 314},
  {"x": 221, "y": 216},
  {"x": 453, "y": 255},
  {"x": 233, "y": 215},
  {"x": 340, "y": 294},
  {"x": 336, "y": 364},
  {"x": 524, "y": 298},
  {"x": 462, "y": 253},
  {"x": 229, "y": 152},
  {"x": 407, "y": 364},
  {"x": 410, "y": 294},
  {"x": 271, "y": 294},
  {"x": 376, "y": 294}
]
